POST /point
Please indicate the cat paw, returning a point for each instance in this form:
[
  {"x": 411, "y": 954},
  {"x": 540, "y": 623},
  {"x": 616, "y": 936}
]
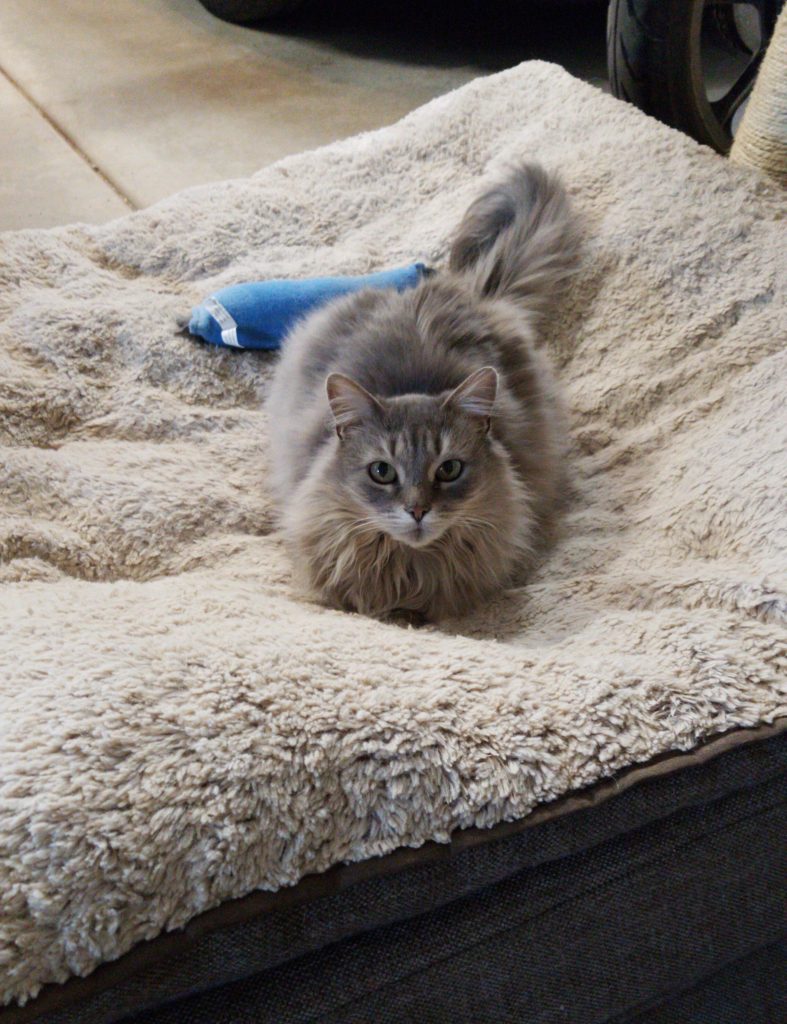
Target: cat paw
[{"x": 405, "y": 617}]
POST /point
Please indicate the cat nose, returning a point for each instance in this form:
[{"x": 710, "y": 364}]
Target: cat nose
[{"x": 417, "y": 512}]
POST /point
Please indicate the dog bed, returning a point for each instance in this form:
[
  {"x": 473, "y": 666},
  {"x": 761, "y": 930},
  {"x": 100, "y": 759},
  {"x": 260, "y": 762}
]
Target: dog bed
[{"x": 179, "y": 727}]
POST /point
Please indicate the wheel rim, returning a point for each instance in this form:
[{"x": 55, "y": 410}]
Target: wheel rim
[{"x": 729, "y": 39}]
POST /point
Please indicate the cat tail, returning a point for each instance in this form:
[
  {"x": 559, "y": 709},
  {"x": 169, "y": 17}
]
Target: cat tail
[{"x": 519, "y": 240}]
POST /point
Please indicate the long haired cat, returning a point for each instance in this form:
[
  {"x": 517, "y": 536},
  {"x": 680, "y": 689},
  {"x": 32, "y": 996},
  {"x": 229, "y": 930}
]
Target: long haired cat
[{"x": 416, "y": 436}]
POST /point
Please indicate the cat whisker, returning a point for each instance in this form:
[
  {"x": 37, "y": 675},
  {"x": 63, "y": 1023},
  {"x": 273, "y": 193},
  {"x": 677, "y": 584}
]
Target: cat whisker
[
  {"x": 478, "y": 521},
  {"x": 368, "y": 525}
]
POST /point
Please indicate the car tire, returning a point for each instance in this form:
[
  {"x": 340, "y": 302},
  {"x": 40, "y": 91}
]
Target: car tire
[
  {"x": 242, "y": 12},
  {"x": 654, "y": 61}
]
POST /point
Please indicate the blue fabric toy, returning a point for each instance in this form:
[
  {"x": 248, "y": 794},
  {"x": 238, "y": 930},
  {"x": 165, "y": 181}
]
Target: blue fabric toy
[{"x": 260, "y": 314}]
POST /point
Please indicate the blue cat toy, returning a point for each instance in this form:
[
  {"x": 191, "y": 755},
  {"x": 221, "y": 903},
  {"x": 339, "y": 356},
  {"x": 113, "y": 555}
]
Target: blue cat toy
[{"x": 259, "y": 315}]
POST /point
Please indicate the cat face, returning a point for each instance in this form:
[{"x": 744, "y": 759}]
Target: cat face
[{"x": 415, "y": 465}]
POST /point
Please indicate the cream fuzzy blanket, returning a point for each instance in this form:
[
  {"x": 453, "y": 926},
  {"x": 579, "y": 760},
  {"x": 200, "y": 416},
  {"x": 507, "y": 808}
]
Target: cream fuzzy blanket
[{"x": 177, "y": 726}]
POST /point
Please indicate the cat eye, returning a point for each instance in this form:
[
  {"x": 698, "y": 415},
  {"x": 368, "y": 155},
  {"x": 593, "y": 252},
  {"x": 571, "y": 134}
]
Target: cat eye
[
  {"x": 450, "y": 470},
  {"x": 382, "y": 472}
]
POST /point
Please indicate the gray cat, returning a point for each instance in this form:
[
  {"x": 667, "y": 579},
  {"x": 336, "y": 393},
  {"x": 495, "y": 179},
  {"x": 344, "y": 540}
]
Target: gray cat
[{"x": 417, "y": 440}]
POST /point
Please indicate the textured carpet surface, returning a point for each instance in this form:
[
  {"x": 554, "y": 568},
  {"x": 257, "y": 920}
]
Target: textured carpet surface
[{"x": 177, "y": 726}]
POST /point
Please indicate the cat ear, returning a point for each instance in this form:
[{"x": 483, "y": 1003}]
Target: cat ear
[
  {"x": 476, "y": 395},
  {"x": 350, "y": 403}
]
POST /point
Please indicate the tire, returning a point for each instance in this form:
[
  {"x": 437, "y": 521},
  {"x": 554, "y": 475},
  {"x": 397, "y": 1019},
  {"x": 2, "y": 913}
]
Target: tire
[
  {"x": 242, "y": 12},
  {"x": 654, "y": 59}
]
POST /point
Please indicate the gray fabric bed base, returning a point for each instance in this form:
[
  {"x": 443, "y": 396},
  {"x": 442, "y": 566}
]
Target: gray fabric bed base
[
  {"x": 753, "y": 988},
  {"x": 601, "y": 915},
  {"x": 576, "y": 940}
]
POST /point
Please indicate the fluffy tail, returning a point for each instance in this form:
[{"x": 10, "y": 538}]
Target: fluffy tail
[{"x": 519, "y": 240}]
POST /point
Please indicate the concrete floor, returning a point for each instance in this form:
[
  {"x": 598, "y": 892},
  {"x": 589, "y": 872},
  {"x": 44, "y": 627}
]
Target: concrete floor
[{"x": 108, "y": 107}]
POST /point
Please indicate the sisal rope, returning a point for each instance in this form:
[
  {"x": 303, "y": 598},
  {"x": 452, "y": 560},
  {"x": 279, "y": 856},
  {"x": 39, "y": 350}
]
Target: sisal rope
[{"x": 761, "y": 139}]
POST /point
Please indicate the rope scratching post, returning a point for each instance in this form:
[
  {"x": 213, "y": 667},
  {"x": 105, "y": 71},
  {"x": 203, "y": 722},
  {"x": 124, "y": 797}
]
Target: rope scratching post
[{"x": 761, "y": 139}]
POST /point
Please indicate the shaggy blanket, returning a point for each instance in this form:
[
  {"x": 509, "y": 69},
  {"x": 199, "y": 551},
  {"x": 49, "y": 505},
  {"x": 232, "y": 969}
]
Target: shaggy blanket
[{"x": 178, "y": 727}]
